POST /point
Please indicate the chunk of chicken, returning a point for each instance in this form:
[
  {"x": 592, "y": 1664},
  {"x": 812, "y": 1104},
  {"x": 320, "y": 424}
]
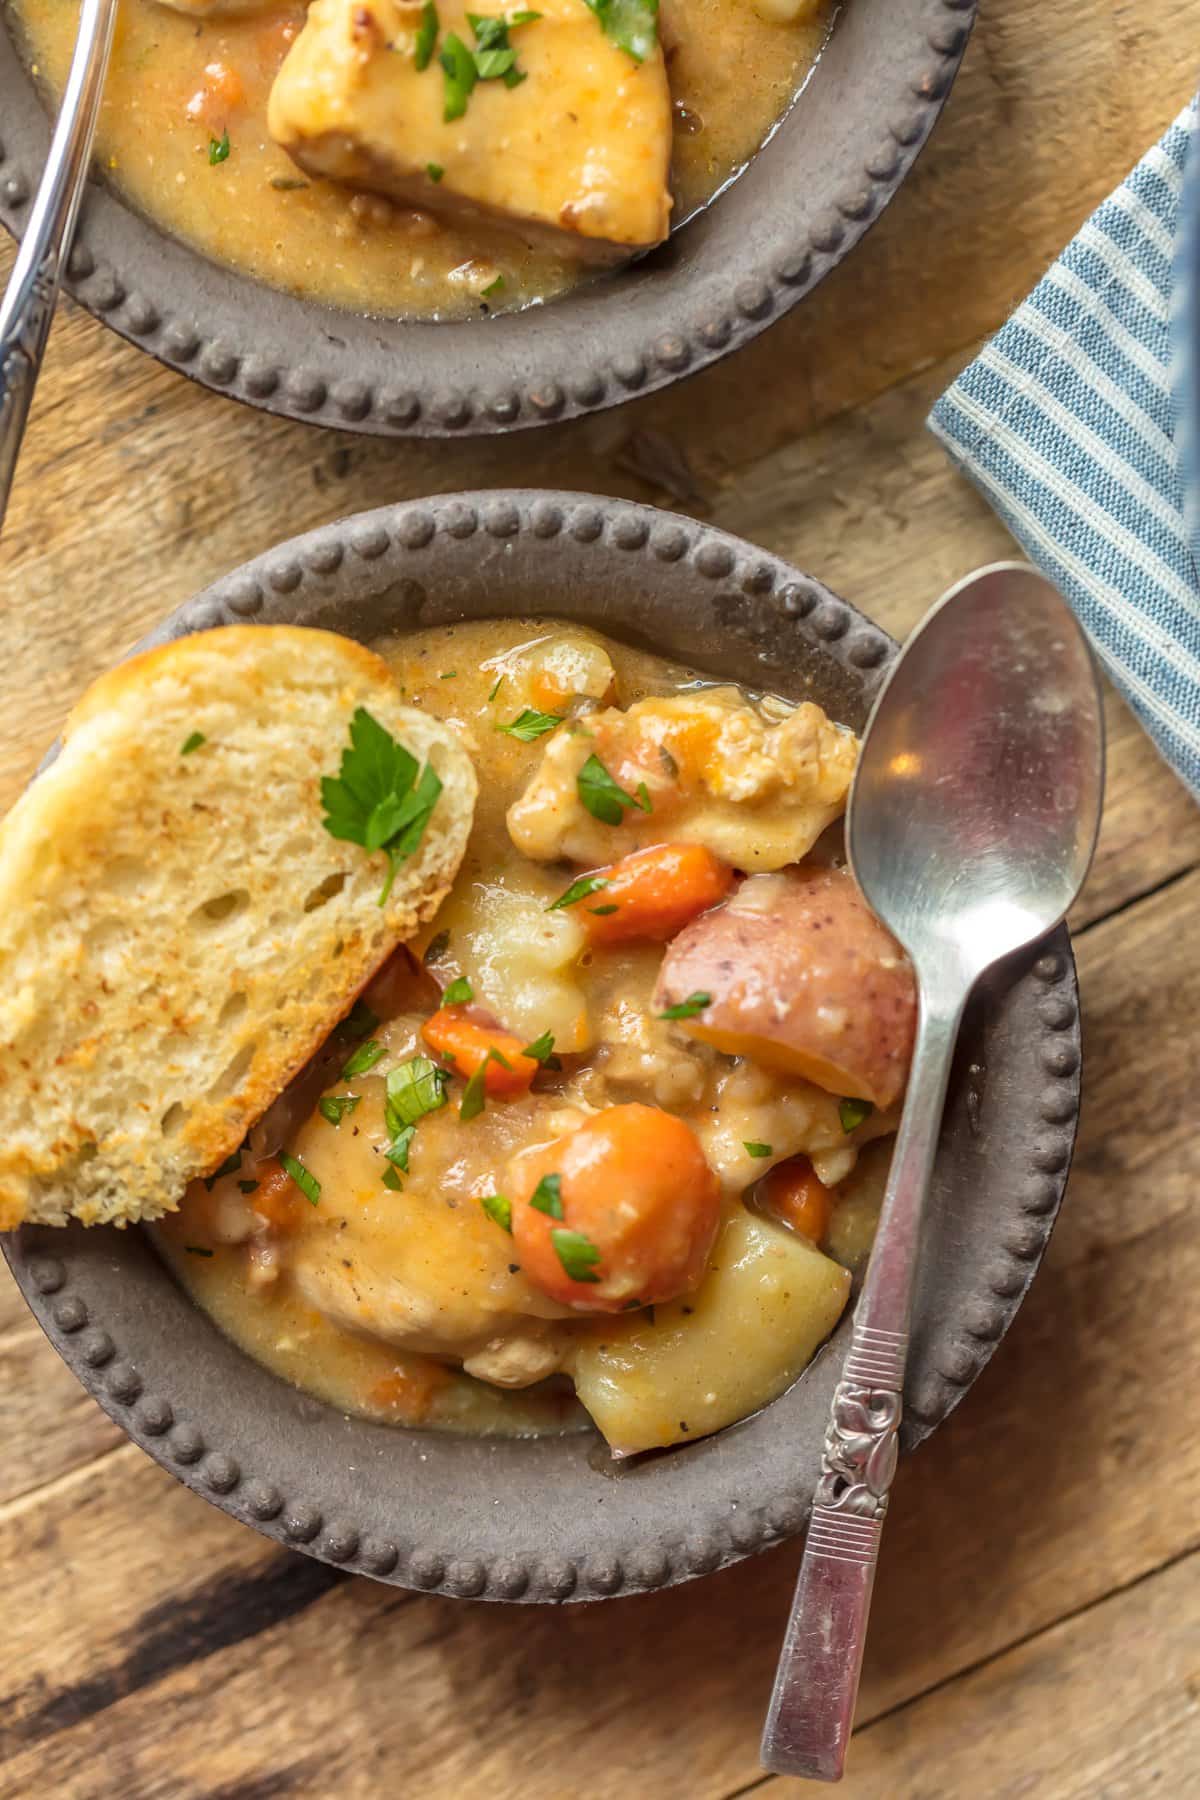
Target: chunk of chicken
[
  {"x": 756, "y": 793},
  {"x": 577, "y": 152}
]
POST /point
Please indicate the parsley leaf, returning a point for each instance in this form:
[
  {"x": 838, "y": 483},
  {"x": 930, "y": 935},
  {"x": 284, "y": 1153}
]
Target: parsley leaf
[
  {"x": 631, "y": 24},
  {"x": 334, "y": 1107},
  {"x": 853, "y": 1112},
  {"x": 392, "y": 1180},
  {"x": 192, "y": 742},
  {"x": 547, "y": 1196},
  {"x": 496, "y": 689},
  {"x": 475, "y": 1093},
  {"x": 304, "y": 1178},
  {"x": 601, "y": 795},
  {"x": 753, "y": 1149},
  {"x": 602, "y": 912},
  {"x": 417, "y": 1087},
  {"x": 530, "y": 724},
  {"x": 579, "y": 890},
  {"x": 397, "y": 1151},
  {"x": 377, "y": 799},
  {"x": 499, "y": 1209},
  {"x": 460, "y": 76},
  {"x": 687, "y": 1009},
  {"x": 542, "y": 1050},
  {"x": 458, "y": 993},
  {"x": 577, "y": 1254},
  {"x": 493, "y": 287},
  {"x": 425, "y": 41},
  {"x": 218, "y": 149},
  {"x": 435, "y": 172},
  {"x": 364, "y": 1058}
]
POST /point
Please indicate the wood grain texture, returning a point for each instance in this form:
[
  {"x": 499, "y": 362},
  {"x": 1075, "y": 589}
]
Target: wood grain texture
[{"x": 1036, "y": 1614}]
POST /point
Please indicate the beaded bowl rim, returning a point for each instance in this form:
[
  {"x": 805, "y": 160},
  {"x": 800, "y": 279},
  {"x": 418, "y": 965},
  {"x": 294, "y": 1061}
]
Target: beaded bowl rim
[
  {"x": 802, "y": 203},
  {"x": 278, "y": 1460}
]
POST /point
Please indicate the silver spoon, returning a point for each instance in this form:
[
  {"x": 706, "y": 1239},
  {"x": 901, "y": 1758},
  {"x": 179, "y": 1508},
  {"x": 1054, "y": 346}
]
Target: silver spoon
[
  {"x": 972, "y": 822},
  {"x": 28, "y": 304}
]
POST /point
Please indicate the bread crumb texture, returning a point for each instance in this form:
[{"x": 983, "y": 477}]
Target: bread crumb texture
[{"x": 178, "y": 931}]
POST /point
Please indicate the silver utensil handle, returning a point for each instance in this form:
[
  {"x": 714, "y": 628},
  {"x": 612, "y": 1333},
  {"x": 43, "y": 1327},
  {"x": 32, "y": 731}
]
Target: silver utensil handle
[
  {"x": 816, "y": 1683},
  {"x": 28, "y": 304}
]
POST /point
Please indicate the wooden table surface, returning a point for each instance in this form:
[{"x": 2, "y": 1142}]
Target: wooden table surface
[{"x": 1036, "y": 1629}]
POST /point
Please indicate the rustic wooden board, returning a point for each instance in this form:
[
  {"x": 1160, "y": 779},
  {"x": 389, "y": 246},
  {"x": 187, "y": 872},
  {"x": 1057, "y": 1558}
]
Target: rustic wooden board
[{"x": 1036, "y": 1615}]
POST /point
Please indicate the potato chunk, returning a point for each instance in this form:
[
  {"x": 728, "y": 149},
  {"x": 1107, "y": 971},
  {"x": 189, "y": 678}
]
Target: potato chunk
[
  {"x": 756, "y": 791},
  {"x": 768, "y": 1300},
  {"x": 800, "y": 976},
  {"x": 578, "y": 152}
]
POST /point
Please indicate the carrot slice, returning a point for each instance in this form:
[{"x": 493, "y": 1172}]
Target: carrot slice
[
  {"x": 277, "y": 1199},
  {"x": 467, "y": 1043},
  {"x": 793, "y": 1193},
  {"x": 653, "y": 893}
]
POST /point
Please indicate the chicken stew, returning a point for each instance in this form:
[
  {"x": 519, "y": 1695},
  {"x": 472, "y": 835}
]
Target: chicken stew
[
  {"x": 408, "y": 158},
  {"x": 608, "y": 1139}
]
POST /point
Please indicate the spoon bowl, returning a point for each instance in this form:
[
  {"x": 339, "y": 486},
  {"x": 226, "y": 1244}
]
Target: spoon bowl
[{"x": 976, "y": 804}]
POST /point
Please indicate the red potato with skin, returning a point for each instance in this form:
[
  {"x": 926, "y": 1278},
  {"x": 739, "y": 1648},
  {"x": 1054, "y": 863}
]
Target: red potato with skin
[
  {"x": 800, "y": 976},
  {"x": 635, "y": 1210}
]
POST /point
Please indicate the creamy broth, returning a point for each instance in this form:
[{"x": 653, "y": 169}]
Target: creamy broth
[
  {"x": 178, "y": 84},
  {"x": 313, "y": 1321}
]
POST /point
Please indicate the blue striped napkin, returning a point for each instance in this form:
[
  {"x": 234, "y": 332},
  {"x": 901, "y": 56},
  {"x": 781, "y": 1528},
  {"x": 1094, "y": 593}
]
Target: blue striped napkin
[{"x": 1066, "y": 423}]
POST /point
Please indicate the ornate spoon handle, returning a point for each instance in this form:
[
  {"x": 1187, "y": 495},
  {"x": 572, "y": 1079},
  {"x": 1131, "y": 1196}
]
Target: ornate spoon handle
[
  {"x": 816, "y": 1683},
  {"x": 28, "y": 304}
]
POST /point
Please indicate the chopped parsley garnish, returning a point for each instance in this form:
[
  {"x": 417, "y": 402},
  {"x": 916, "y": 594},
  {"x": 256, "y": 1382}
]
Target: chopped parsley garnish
[
  {"x": 218, "y": 148},
  {"x": 359, "y": 1022},
  {"x": 547, "y": 1196},
  {"x": 499, "y": 1209},
  {"x": 496, "y": 689},
  {"x": 602, "y": 912},
  {"x": 192, "y": 742},
  {"x": 754, "y": 1149},
  {"x": 493, "y": 287},
  {"x": 542, "y": 1051},
  {"x": 287, "y": 184},
  {"x": 364, "y": 1058},
  {"x": 304, "y": 1178},
  {"x": 460, "y": 76},
  {"x": 392, "y": 1180},
  {"x": 434, "y": 171},
  {"x": 397, "y": 1151},
  {"x": 377, "y": 798},
  {"x": 447, "y": 674},
  {"x": 530, "y": 724},
  {"x": 436, "y": 947},
  {"x": 577, "y": 1254},
  {"x": 631, "y": 24},
  {"x": 228, "y": 1167},
  {"x": 579, "y": 890},
  {"x": 458, "y": 993},
  {"x": 248, "y": 1187},
  {"x": 197, "y": 1250},
  {"x": 601, "y": 795},
  {"x": 417, "y": 1087},
  {"x": 687, "y": 1009},
  {"x": 334, "y": 1107},
  {"x": 475, "y": 1093},
  {"x": 426, "y": 39},
  {"x": 853, "y": 1112}
]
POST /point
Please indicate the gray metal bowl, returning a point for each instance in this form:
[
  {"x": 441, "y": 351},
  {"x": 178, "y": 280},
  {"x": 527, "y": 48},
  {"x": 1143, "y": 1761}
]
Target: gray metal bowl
[
  {"x": 541, "y": 1520},
  {"x": 802, "y": 204}
]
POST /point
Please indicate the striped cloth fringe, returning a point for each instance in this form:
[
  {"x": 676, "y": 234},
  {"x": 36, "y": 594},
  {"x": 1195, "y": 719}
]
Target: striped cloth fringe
[{"x": 1066, "y": 424}]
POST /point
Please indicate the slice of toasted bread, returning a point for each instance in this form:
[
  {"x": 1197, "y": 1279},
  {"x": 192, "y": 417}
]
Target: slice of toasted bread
[{"x": 178, "y": 931}]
